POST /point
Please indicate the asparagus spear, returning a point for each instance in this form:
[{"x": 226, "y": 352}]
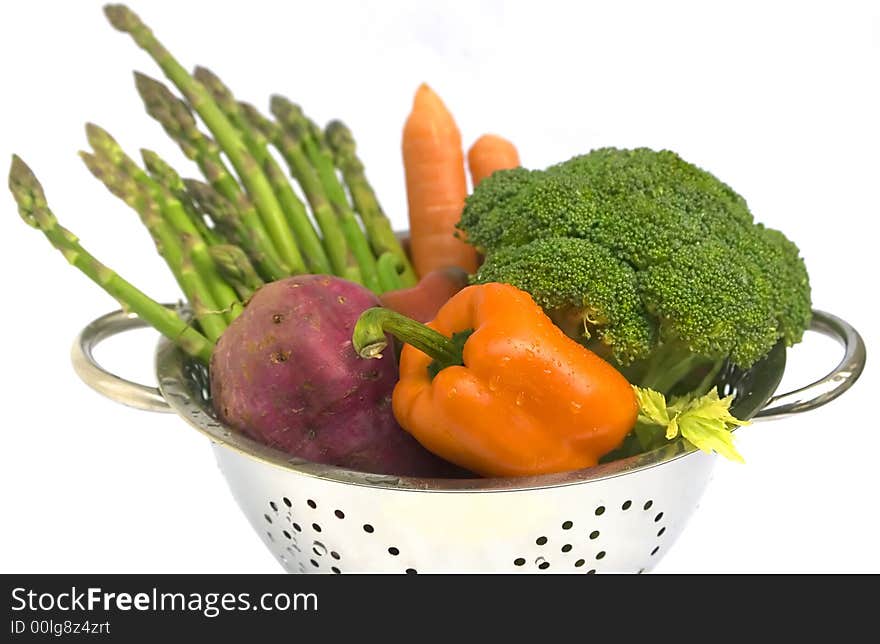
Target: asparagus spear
[
  {"x": 293, "y": 120},
  {"x": 179, "y": 123},
  {"x": 235, "y": 266},
  {"x": 258, "y": 187},
  {"x": 173, "y": 211},
  {"x": 34, "y": 210},
  {"x": 378, "y": 227},
  {"x": 167, "y": 243},
  {"x": 293, "y": 208},
  {"x": 309, "y": 138},
  {"x": 177, "y": 120},
  {"x": 225, "y": 215},
  {"x": 388, "y": 268},
  {"x": 342, "y": 260},
  {"x": 167, "y": 176}
]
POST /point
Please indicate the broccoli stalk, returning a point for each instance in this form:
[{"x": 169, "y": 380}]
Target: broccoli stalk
[{"x": 671, "y": 364}]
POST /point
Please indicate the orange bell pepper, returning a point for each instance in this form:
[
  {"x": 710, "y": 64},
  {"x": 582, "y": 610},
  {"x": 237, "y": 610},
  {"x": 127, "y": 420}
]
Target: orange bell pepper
[{"x": 492, "y": 385}]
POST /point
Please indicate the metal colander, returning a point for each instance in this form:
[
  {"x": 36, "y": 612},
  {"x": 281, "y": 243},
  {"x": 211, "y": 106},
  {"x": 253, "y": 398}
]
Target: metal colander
[{"x": 617, "y": 517}]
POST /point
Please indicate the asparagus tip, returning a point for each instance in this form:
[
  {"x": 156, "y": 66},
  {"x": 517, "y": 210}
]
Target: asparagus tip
[
  {"x": 202, "y": 74},
  {"x": 107, "y": 173},
  {"x": 213, "y": 84},
  {"x": 151, "y": 90},
  {"x": 146, "y": 85},
  {"x": 336, "y": 127},
  {"x": 98, "y": 137},
  {"x": 202, "y": 193},
  {"x": 283, "y": 108},
  {"x": 29, "y": 195},
  {"x": 91, "y": 161},
  {"x": 292, "y": 118},
  {"x": 18, "y": 171},
  {"x": 23, "y": 185},
  {"x": 121, "y": 17},
  {"x": 339, "y": 136},
  {"x": 149, "y": 157},
  {"x": 267, "y": 127},
  {"x": 194, "y": 185},
  {"x": 248, "y": 108},
  {"x": 210, "y": 201},
  {"x": 276, "y": 101},
  {"x": 163, "y": 105}
]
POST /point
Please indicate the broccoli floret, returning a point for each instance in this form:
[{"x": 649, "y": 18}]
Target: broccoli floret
[
  {"x": 583, "y": 286},
  {"x": 647, "y": 254}
]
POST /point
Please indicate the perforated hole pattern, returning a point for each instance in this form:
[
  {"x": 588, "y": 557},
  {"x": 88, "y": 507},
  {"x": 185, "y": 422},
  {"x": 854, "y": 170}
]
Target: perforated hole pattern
[
  {"x": 320, "y": 557},
  {"x": 570, "y": 546},
  {"x": 579, "y": 546}
]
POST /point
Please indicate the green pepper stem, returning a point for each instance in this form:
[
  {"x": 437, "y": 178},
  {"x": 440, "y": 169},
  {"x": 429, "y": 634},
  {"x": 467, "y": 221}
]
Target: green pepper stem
[{"x": 369, "y": 336}]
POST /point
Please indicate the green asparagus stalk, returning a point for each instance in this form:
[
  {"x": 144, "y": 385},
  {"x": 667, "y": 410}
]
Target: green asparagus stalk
[
  {"x": 293, "y": 120},
  {"x": 225, "y": 216},
  {"x": 388, "y": 268},
  {"x": 235, "y": 266},
  {"x": 34, "y": 210},
  {"x": 225, "y": 100},
  {"x": 382, "y": 238},
  {"x": 162, "y": 172},
  {"x": 258, "y": 187},
  {"x": 167, "y": 176},
  {"x": 294, "y": 210},
  {"x": 197, "y": 251},
  {"x": 342, "y": 261},
  {"x": 243, "y": 209},
  {"x": 341, "y": 253},
  {"x": 308, "y": 136},
  {"x": 178, "y": 121},
  {"x": 167, "y": 243},
  {"x": 173, "y": 211}
]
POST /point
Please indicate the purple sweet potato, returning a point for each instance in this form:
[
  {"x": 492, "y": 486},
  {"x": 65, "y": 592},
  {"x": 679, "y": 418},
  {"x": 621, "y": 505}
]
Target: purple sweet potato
[{"x": 285, "y": 373}]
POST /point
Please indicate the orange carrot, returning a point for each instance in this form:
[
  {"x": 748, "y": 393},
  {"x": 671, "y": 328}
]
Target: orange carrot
[
  {"x": 490, "y": 153},
  {"x": 422, "y": 301},
  {"x": 435, "y": 186}
]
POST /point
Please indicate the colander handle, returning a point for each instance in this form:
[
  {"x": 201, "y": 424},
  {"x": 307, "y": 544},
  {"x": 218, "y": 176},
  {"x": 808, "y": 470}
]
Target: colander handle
[
  {"x": 106, "y": 383},
  {"x": 841, "y": 378}
]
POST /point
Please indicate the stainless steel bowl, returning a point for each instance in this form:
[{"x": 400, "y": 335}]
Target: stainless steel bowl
[{"x": 620, "y": 516}]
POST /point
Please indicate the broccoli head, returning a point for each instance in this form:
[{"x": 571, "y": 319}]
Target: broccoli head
[{"x": 645, "y": 257}]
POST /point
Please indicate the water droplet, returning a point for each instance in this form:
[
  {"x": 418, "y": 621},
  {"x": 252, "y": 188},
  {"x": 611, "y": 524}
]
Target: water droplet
[
  {"x": 494, "y": 383},
  {"x": 505, "y": 360},
  {"x": 452, "y": 393},
  {"x": 520, "y": 398},
  {"x": 575, "y": 407},
  {"x": 548, "y": 371}
]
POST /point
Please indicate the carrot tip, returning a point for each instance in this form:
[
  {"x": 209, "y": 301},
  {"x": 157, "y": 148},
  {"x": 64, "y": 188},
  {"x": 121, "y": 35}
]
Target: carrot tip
[
  {"x": 427, "y": 99},
  {"x": 489, "y": 153}
]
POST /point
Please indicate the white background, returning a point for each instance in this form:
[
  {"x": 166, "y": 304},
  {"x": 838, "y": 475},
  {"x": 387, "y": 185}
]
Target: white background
[{"x": 779, "y": 99}]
